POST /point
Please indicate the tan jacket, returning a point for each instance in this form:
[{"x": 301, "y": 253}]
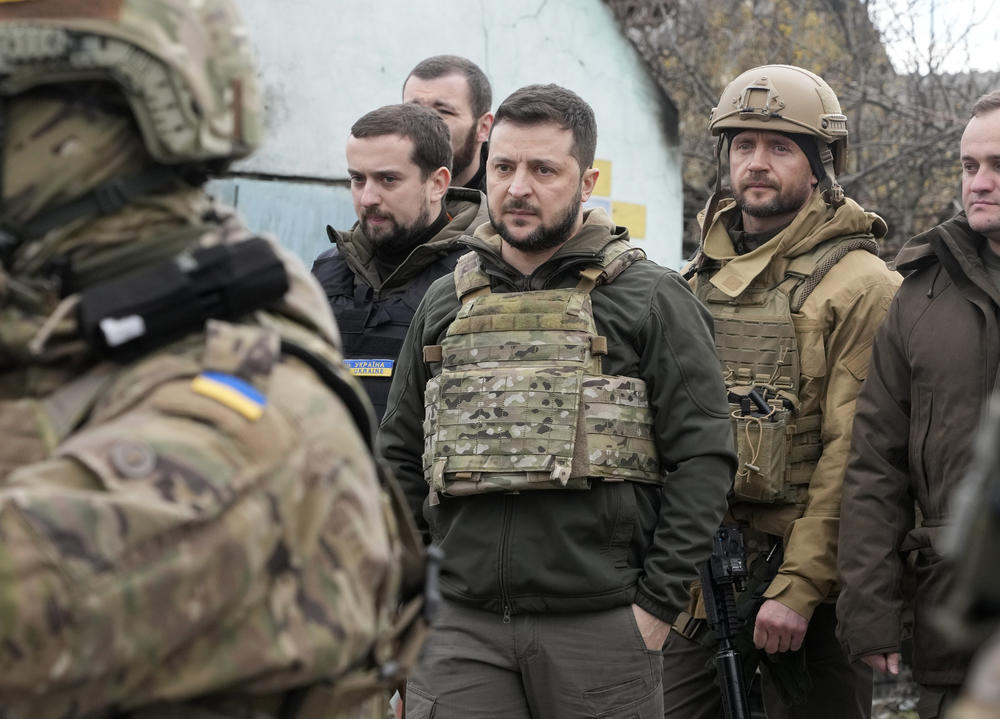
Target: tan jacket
[{"x": 834, "y": 331}]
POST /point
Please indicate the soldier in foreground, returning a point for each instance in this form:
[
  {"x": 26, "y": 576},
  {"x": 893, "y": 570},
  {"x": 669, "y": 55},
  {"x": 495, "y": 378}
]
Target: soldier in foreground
[
  {"x": 789, "y": 269},
  {"x": 559, "y": 426},
  {"x": 934, "y": 364},
  {"x": 409, "y": 223},
  {"x": 192, "y": 524}
]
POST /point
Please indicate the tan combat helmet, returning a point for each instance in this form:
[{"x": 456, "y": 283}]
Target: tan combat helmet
[
  {"x": 184, "y": 67},
  {"x": 785, "y": 98}
]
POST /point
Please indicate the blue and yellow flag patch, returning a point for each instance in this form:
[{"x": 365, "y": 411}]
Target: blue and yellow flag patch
[
  {"x": 231, "y": 391},
  {"x": 370, "y": 367}
]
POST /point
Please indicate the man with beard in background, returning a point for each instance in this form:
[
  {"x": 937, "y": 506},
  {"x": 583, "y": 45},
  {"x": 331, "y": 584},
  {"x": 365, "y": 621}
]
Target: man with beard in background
[
  {"x": 409, "y": 222},
  {"x": 458, "y": 91}
]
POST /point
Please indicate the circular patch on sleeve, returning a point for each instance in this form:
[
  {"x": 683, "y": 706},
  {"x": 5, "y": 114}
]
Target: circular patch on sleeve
[{"x": 132, "y": 459}]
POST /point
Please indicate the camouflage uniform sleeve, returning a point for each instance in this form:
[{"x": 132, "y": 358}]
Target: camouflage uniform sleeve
[
  {"x": 681, "y": 369},
  {"x": 836, "y": 366},
  {"x": 177, "y": 547}
]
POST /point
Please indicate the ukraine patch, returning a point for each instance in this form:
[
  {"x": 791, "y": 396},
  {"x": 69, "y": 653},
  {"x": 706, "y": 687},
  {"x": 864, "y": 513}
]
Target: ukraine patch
[
  {"x": 370, "y": 367},
  {"x": 231, "y": 391}
]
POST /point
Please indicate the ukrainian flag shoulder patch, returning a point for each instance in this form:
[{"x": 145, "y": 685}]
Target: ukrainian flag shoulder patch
[
  {"x": 370, "y": 367},
  {"x": 231, "y": 391}
]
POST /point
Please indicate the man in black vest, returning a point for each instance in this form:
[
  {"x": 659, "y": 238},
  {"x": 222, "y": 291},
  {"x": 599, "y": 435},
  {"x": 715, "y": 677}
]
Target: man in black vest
[{"x": 409, "y": 222}]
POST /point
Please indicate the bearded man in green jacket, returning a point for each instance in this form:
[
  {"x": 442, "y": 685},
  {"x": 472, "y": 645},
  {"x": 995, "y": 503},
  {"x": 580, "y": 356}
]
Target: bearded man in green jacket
[{"x": 559, "y": 425}]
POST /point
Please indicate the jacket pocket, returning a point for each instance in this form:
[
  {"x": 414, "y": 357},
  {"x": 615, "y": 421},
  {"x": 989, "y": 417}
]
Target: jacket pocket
[
  {"x": 812, "y": 347},
  {"x": 856, "y": 361},
  {"x": 418, "y": 704},
  {"x": 622, "y": 499}
]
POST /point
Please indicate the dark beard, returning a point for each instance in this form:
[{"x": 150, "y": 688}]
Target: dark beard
[
  {"x": 401, "y": 238},
  {"x": 787, "y": 201},
  {"x": 466, "y": 153},
  {"x": 544, "y": 237}
]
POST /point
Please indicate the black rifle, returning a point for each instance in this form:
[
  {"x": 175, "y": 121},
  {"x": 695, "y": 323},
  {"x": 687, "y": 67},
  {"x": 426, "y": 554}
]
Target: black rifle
[{"x": 724, "y": 574}]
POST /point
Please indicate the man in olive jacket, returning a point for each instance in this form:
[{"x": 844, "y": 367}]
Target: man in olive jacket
[
  {"x": 556, "y": 357},
  {"x": 789, "y": 269},
  {"x": 409, "y": 222},
  {"x": 934, "y": 363}
]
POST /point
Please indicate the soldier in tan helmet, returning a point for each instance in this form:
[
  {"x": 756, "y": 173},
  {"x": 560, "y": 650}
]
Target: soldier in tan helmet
[
  {"x": 789, "y": 269},
  {"x": 191, "y": 520}
]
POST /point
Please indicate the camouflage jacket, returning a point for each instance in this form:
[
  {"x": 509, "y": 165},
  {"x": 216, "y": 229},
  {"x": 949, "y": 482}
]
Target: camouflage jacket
[
  {"x": 833, "y": 331},
  {"x": 191, "y": 532},
  {"x": 618, "y": 542}
]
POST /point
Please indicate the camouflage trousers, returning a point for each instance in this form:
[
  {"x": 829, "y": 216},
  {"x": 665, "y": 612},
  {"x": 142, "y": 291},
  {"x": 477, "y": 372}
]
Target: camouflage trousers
[
  {"x": 557, "y": 666},
  {"x": 841, "y": 689}
]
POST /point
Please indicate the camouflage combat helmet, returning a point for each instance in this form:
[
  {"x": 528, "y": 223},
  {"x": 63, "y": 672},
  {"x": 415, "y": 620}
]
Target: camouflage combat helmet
[
  {"x": 184, "y": 66},
  {"x": 788, "y": 99}
]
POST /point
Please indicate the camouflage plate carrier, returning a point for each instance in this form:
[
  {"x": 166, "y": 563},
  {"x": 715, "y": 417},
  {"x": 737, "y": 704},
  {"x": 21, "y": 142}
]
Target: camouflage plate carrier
[
  {"x": 521, "y": 402},
  {"x": 777, "y": 447}
]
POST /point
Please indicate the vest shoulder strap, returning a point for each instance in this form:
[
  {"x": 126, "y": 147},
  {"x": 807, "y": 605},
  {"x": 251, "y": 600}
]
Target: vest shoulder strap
[
  {"x": 618, "y": 256},
  {"x": 805, "y": 272},
  {"x": 471, "y": 281}
]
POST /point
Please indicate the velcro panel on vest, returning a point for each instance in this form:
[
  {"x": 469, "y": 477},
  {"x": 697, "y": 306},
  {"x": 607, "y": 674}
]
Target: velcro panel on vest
[
  {"x": 530, "y": 310},
  {"x": 757, "y": 352},
  {"x": 619, "y": 426},
  {"x": 534, "y": 327}
]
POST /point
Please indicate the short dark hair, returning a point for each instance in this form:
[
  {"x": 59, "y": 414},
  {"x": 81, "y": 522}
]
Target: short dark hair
[
  {"x": 538, "y": 104},
  {"x": 987, "y": 103},
  {"x": 480, "y": 92},
  {"x": 430, "y": 136}
]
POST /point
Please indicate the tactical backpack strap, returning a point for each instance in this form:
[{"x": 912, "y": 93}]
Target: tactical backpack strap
[
  {"x": 470, "y": 280},
  {"x": 805, "y": 272}
]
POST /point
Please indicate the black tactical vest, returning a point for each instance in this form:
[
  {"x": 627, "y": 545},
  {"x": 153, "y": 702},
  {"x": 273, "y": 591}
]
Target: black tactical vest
[{"x": 373, "y": 326}]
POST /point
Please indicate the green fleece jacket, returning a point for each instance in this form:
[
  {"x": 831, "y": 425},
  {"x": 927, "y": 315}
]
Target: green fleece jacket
[{"x": 619, "y": 542}]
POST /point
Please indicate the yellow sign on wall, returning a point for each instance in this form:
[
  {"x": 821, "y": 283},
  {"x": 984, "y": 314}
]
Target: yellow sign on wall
[
  {"x": 632, "y": 216},
  {"x": 627, "y": 214},
  {"x": 602, "y": 188}
]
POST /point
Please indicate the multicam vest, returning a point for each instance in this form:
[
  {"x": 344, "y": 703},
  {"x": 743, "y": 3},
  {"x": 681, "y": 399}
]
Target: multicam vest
[
  {"x": 521, "y": 402},
  {"x": 777, "y": 446}
]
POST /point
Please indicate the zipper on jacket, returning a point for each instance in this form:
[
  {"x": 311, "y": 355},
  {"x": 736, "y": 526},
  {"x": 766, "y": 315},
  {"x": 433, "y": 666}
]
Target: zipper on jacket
[{"x": 502, "y": 553}]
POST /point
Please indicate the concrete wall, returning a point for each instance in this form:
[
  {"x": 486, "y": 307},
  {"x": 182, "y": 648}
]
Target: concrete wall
[{"x": 324, "y": 63}]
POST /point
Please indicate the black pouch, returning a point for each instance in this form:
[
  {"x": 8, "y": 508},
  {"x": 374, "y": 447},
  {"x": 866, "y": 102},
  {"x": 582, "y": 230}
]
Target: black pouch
[{"x": 152, "y": 306}]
